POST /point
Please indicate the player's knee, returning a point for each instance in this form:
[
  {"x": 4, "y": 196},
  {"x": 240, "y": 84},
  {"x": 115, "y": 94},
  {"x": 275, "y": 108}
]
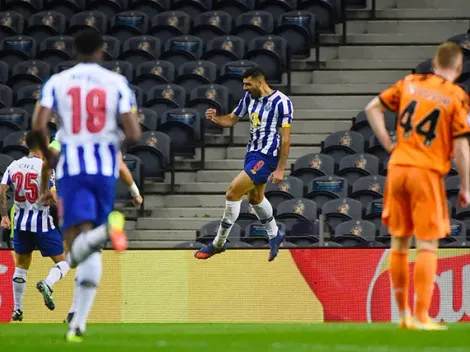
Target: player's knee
[
  {"x": 401, "y": 243},
  {"x": 430, "y": 245},
  {"x": 255, "y": 198},
  {"x": 232, "y": 195}
]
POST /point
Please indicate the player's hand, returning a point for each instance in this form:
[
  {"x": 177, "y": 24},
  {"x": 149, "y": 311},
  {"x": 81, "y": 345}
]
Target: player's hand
[
  {"x": 5, "y": 222},
  {"x": 137, "y": 201},
  {"x": 390, "y": 147},
  {"x": 464, "y": 199},
  {"x": 210, "y": 114},
  {"x": 47, "y": 198},
  {"x": 277, "y": 176}
]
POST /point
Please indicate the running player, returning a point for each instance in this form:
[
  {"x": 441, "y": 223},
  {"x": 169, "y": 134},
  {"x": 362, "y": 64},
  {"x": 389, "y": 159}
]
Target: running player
[
  {"x": 270, "y": 113},
  {"x": 433, "y": 124},
  {"x": 87, "y": 98},
  {"x": 33, "y": 226}
]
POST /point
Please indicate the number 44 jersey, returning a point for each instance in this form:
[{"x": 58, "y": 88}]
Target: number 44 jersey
[
  {"x": 88, "y": 100},
  {"x": 24, "y": 176},
  {"x": 432, "y": 111}
]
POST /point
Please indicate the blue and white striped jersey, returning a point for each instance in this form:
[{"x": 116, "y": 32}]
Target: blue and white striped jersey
[
  {"x": 24, "y": 175},
  {"x": 267, "y": 115},
  {"x": 88, "y": 99}
]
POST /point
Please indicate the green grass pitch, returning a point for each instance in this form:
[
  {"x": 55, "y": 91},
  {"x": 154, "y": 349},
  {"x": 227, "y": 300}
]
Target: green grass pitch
[{"x": 235, "y": 337}]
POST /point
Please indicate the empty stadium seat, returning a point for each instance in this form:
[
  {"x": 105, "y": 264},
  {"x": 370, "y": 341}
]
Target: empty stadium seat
[
  {"x": 361, "y": 124},
  {"x": 140, "y": 49},
  {"x": 270, "y": 53},
  {"x": 88, "y": 20},
  {"x": 424, "y": 67},
  {"x": 253, "y": 24},
  {"x": 148, "y": 119},
  {"x": 45, "y": 24},
  {"x": 452, "y": 189},
  {"x": 6, "y": 96},
  {"x": 339, "y": 210},
  {"x": 289, "y": 188},
  {"x": 353, "y": 167},
  {"x": 164, "y": 97},
  {"x": 325, "y": 188},
  {"x": 224, "y": 49},
  {"x": 195, "y": 73},
  {"x": 310, "y": 166},
  {"x": 16, "y": 49},
  {"x": 277, "y": 7},
  {"x": 208, "y": 232},
  {"x": 170, "y": 24},
  {"x": 27, "y": 97},
  {"x": 4, "y": 72},
  {"x": 325, "y": 11},
  {"x": 458, "y": 233},
  {"x": 5, "y": 161},
  {"x": 374, "y": 212},
  {"x": 66, "y": 7},
  {"x": 14, "y": 145},
  {"x": 109, "y": 8},
  {"x": 342, "y": 143},
  {"x": 234, "y": 7},
  {"x": 180, "y": 50},
  {"x": 376, "y": 148},
  {"x": 150, "y": 7},
  {"x": 11, "y": 24},
  {"x": 55, "y": 49},
  {"x": 355, "y": 233},
  {"x": 29, "y": 72},
  {"x": 231, "y": 76},
  {"x": 369, "y": 188},
  {"x": 462, "y": 40},
  {"x": 209, "y": 25},
  {"x": 64, "y": 65},
  {"x": 134, "y": 164},
  {"x": 300, "y": 208},
  {"x": 298, "y": 29},
  {"x": 128, "y": 24},
  {"x": 192, "y": 7},
  {"x": 111, "y": 47},
  {"x": 139, "y": 94},
  {"x": 304, "y": 233},
  {"x": 152, "y": 73},
  {"x": 119, "y": 66},
  {"x": 24, "y": 7},
  {"x": 257, "y": 235}
]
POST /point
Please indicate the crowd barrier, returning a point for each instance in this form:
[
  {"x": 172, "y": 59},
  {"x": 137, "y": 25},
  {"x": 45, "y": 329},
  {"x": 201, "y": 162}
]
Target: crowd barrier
[{"x": 301, "y": 285}]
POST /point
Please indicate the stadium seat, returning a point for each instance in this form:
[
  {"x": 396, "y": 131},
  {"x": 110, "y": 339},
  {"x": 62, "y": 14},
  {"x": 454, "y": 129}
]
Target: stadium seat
[
  {"x": 368, "y": 189},
  {"x": 208, "y": 232},
  {"x": 154, "y": 150},
  {"x": 270, "y": 53},
  {"x": 164, "y": 97},
  {"x": 234, "y": 7},
  {"x": 152, "y": 73},
  {"x": 452, "y": 189},
  {"x": 304, "y": 233},
  {"x": 45, "y": 24},
  {"x": 462, "y": 214},
  {"x": 12, "y": 120},
  {"x": 64, "y": 65},
  {"x": 66, "y": 7},
  {"x": 150, "y": 7},
  {"x": 119, "y": 66},
  {"x": 231, "y": 76},
  {"x": 253, "y": 24},
  {"x": 337, "y": 211},
  {"x": 4, "y": 72},
  {"x": 24, "y": 7},
  {"x": 27, "y": 97},
  {"x": 195, "y": 73},
  {"x": 138, "y": 50},
  {"x": 192, "y": 7},
  {"x": 290, "y": 188},
  {"x": 139, "y": 94},
  {"x": 180, "y": 50},
  {"x": 376, "y": 148},
  {"x": 14, "y": 145},
  {"x": 374, "y": 212},
  {"x": 109, "y": 8},
  {"x": 88, "y": 20},
  {"x": 424, "y": 67},
  {"x": 355, "y": 233},
  {"x": 277, "y": 7},
  {"x": 298, "y": 29},
  {"x": 29, "y": 72},
  {"x": 362, "y": 126},
  {"x": 451, "y": 210},
  {"x": 458, "y": 233},
  {"x": 465, "y": 75},
  {"x": 5, "y": 161},
  {"x": 11, "y": 24},
  {"x": 342, "y": 143},
  {"x": 134, "y": 164},
  {"x": 300, "y": 208},
  {"x": 310, "y": 166},
  {"x": 209, "y": 25},
  {"x": 257, "y": 235},
  {"x": 247, "y": 212},
  {"x": 209, "y": 96},
  {"x": 325, "y": 12},
  {"x": 325, "y": 188},
  {"x": 16, "y": 49},
  {"x": 6, "y": 96},
  {"x": 184, "y": 127},
  {"x": 169, "y": 25},
  {"x": 55, "y": 49},
  {"x": 126, "y": 25},
  {"x": 462, "y": 40},
  {"x": 224, "y": 49},
  {"x": 353, "y": 167},
  {"x": 111, "y": 47},
  {"x": 148, "y": 119},
  {"x": 384, "y": 236}
]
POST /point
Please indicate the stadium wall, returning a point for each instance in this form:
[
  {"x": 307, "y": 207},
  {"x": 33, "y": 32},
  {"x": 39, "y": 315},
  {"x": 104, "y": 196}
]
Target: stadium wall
[{"x": 301, "y": 285}]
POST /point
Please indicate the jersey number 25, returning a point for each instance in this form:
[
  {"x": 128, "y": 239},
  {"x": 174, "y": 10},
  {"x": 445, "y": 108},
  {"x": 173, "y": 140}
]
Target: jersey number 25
[
  {"x": 26, "y": 182},
  {"x": 95, "y": 105}
]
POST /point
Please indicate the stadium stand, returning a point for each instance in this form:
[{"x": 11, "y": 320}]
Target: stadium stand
[{"x": 183, "y": 56}]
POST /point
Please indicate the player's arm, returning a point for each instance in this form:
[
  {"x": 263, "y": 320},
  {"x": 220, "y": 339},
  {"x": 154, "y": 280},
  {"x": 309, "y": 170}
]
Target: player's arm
[
  {"x": 6, "y": 182},
  {"x": 230, "y": 119},
  {"x": 126, "y": 176},
  {"x": 462, "y": 161}
]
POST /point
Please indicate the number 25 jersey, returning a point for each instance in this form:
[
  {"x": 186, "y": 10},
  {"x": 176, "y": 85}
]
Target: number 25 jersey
[
  {"x": 88, "y": 99},
  {"x": 431, "y": 112}
]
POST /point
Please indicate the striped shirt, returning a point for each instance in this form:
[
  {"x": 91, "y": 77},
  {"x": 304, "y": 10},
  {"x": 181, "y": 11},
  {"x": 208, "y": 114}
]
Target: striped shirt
[
  {"x": 88, "y": 99},
  {"x": 267, "y": 115},
  {"x": 24, "y": 175}
]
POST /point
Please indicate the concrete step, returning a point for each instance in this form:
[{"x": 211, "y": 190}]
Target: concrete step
[
  {"x": 184, "y": 201},
  {"x": 221, "y": 175},
  {"x": 301, "y": 77},
  {"x": 433, "y": 4},
  {"x": 414, "y": 13},
  {"x": 230, "y": 164},
  {"x": 394, "y": 38},
  {"x": 153, "y": 244},
  {"x": 354, "y": 77},
  {"x": 162, "y": 235},
  {"x": 173, "y": 223},
  {"x": 294, "y": 153},
  {"x": 387, "y": 52},
  {"x": 296, "y": 139},
  {"x": 343, "y": 88},
  {"x": 331, "y": 102},
  {"x": 188, "y": 212},
  {"x": 189, "y": 188},
  {"x": 372, "y": 64},
  {"x": 325, "y": 114},
  {"x": 302, "y": 126},
  {"x": 407, "y": 26}
]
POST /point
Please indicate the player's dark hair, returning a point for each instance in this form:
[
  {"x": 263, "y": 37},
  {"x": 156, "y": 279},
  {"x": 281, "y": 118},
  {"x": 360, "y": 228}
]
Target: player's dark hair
[
  {"x": 253, "y": 72},
  {"x": 32, "y": 141},
  {"x": 88, "y": 42}
]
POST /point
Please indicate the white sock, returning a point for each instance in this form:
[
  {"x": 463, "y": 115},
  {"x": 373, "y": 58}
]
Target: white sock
[
  {"x": 88, "y": 278},
  {"x": 85, "y": 244},
  {"x": 56, "y": 273},
  {"x": 232, "y": 210},
  {"x": 75, "y": 296},
  {"x": 19, "y": 285},
  {"x": 264, "y": 211}
]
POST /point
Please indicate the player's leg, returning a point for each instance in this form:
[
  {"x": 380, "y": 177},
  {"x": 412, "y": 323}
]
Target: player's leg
[
  {"x": 397, "y": 216},
  {"x": 264, "y": 212},
  {"x": 430, "y": 199},
  {"x": 239, "y": 186},
  {"x": 23, "y": 243}
]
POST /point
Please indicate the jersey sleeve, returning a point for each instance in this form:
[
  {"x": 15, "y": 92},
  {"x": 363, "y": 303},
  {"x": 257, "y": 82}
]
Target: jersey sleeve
[
  {"x": 390, "y": 97},
  {"x": 242, "y": 107},
  {"x": 461, "y": 117},
  {"x": 55, "y": 145},
  {"x": 6, "y": 179},
  {"x": 285, "y": 112},
  {"x": 127, "y": 102},
  {"x": 47, "y": 97}
]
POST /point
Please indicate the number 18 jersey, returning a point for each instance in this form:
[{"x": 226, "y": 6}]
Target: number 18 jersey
[
  {"x": 432, "y": 111},
  {"x": 88, "y": 99}
]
